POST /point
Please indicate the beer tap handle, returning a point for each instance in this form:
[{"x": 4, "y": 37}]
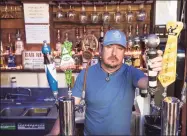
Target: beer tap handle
[
  {"x": 152, "y": 42},
  {"x": 50, "y": 69}
]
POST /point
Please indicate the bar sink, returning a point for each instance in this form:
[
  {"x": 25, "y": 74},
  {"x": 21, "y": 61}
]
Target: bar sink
[
  {"x": 10, "y": 111},
  {"x": 37, "y": 112}
]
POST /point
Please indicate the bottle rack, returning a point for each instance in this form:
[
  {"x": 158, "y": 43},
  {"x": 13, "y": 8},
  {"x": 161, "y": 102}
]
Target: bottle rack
[{"x": 10, "y": 25}]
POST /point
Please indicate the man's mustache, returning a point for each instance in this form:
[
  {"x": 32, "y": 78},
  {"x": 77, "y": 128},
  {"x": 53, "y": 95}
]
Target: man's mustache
[{"x": 113, "y": 58}]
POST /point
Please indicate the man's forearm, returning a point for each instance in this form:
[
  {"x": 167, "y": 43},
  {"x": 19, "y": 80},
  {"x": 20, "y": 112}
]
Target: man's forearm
[
  {"x": 56, "y": 128},
  {"x": 143, "y": 83}
]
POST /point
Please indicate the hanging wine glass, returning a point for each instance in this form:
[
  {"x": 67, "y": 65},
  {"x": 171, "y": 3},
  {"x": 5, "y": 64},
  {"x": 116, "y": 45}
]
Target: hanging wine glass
[
  {"x": 83, "y": 17},
  {"x": 129, "y": 15},
  {"x": 60, "y": 14},
  {"x": 6, "y": 13},
  {"x": 95, "y": 16},
  {"x": 117, "y": 15},
  {"x": 15, "y": 12},
  {"x": 71, "y": 13},
  {"x": 12, "y": 12},
  {"x": 141, "y": 14},
  {"x": 106, "y": 16}
]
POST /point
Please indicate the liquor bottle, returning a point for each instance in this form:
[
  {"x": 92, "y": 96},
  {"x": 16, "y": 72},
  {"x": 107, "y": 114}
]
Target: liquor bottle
[
  {"x": 9, "y": 50},
  {"x": 130, "y": 37},
  {"x": 58, "y": 44},
  {"x": 130, "y": 42},
  {"x": 143, "y": 41},
  {"x": 137, "y": 49},
  {"x": 8, "y": 46},
  {"x": 145, "y": 33},
  {"x": 101, "y": 40},
  {"x": 84, "y": 31},
  {"x": 1, "y": 48},
  {"x": 11, "y": 60},
  {"x": 78, "y": 41},
  {"x": 85, "y": 43},
  {"x": 145, "y": 29},
  {"x": 18, "y": 44},
  {"x": 77, "y": 57},
  {"x": 137, "y": 30},
  {"x": 1, "y": 55}
]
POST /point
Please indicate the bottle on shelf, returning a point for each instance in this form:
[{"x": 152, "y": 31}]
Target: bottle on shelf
[
  {"x": 77, "y": 48},
  {"x": 1, "y": 56},
  {"x": 85, "y": 44},
  {"x": 101, "y": 39},
  {"x": 19, "y": 47},
  {"x": 143, "y": 41},
  {"x": 11, "y": 60},
  {"x": 1, "y": 48},
  {"x": 58, "y": 48},
  {"x": 8, "y": 46},
  {"x": 137, "y": 49},
  {"x": 10, "y": 51},
  {"x": 58, "y": 43},
  {"x": 130, "y": 42},
  {"x": 145, "y": 33}
]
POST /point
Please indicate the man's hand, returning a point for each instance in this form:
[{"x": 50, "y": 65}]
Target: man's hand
[{"x": 156, "y": 63}]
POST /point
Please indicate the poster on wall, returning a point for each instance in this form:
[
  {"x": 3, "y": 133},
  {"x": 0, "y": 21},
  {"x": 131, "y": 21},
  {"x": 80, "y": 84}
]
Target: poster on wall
[
  {"x": 165, "y": 11},
  {"x": 36, "y": 13},
  {"x": 33, "y": 60},
  {"x": 36, "y": 34}
]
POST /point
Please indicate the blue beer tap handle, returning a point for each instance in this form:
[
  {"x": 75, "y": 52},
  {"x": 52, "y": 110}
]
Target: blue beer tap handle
[{"x": 46, "y": 49}]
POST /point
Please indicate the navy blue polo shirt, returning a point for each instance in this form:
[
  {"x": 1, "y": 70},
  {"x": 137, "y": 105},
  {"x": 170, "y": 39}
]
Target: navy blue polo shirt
[{"x": 108, "y": 103}]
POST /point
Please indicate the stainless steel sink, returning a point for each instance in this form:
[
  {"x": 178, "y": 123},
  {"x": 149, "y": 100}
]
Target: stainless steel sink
[
  {"x": 2, "y": 101},
  {"x": 11, "y": 111},
  {"x": 37, "y": 112}
]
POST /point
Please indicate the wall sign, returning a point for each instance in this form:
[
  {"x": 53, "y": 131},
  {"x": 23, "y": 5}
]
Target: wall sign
[
  {"x": 33, "y": 60},
  {"x": 37, "y": 34},
  {"x": 36, "y": 13}
]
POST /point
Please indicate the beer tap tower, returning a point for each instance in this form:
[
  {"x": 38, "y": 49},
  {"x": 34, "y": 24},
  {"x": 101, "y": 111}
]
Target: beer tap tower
[
  {"x": 170, "y": 108},
  {"x": 67, "y": 103}
]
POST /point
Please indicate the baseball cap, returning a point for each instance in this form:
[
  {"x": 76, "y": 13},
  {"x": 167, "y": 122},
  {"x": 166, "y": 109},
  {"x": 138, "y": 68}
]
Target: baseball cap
[{"x": 114, "y": 37}]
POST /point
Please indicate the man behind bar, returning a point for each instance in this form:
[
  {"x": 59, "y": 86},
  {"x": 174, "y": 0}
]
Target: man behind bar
[{"x": 110, "y": 89}]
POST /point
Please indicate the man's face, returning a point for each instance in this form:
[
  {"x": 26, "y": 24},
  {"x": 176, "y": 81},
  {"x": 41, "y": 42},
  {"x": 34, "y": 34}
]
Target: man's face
[{"x": 113, "y": 55}]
